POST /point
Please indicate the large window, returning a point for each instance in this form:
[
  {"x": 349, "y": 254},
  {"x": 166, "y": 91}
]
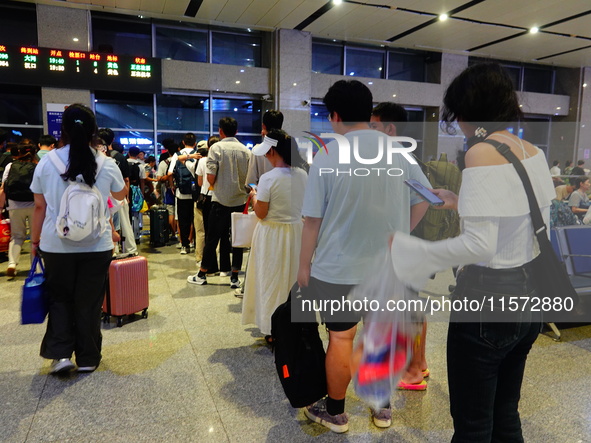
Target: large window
[
  {"x": 526, "y": 77},
  {"x": 181, "y": 44},
  {"x": 248, "y": 114},
  {"x": 123, "y": 35},
  {"x": 183, "y": 113},
  {"x": 18, "y": 24},
  {"x": 327, "y": 58},
  {"x": 379, "y": 62},
  {"x": 364, "y": 63},
  {"x": 21, "y": 112},
  {"x": 236, "y": 49}
]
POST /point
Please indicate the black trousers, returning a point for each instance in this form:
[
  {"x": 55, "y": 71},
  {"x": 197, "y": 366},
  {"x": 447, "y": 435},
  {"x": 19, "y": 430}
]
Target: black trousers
[
  {"x": 186, "y": 215},
  {"x": 76, "y": 286},
  {"x": 219, "y": 232}
]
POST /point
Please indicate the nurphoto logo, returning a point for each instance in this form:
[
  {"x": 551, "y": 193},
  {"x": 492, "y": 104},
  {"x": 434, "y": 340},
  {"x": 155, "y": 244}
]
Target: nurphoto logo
[{"x": 387, "y": 147}]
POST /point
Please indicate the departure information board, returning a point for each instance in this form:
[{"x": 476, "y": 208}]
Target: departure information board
[{"x": 79, "y": 70}]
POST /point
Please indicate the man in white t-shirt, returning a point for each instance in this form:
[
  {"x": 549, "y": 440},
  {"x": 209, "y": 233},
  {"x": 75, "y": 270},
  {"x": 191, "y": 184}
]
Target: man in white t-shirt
[
  {"x": 555, "y": 169},
  {"x": 184, "y": 199},
  {"x": 350, "y": 211}
]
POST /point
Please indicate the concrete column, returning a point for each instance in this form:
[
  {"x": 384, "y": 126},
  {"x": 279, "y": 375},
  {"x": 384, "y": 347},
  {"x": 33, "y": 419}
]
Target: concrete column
[
  {"x": 292, "y": 77},
  {"x": 583, "y": 151},
  {"x": 57, "y": 27}
]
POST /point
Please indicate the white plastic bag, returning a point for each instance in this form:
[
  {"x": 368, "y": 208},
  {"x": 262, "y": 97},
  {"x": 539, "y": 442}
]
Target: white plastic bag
[{"x": 389, "y": 332}]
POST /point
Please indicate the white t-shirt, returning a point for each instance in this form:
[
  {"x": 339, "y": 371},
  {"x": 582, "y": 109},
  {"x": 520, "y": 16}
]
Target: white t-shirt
[
  {"x": 13, "y": 204},
  {"x": 202, "y": 172},
  {"x": 283, "y": 189},
  {"x": 358, "y": 212},
  {"x": 47, "y": 181}
]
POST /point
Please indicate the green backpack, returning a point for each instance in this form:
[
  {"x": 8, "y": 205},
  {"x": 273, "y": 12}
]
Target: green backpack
[{"x": 439, "y": 224}]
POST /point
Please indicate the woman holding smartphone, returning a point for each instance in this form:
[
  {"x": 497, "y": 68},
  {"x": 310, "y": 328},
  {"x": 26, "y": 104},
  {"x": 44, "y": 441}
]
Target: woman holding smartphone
[
  {"x": 275, "y": 251},
  {"x": 486, "y": 360}
]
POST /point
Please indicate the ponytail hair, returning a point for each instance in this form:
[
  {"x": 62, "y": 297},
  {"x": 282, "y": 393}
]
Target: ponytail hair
[
  {"x": 287, "y": 148},
  {"x": 78, "y": 129}
]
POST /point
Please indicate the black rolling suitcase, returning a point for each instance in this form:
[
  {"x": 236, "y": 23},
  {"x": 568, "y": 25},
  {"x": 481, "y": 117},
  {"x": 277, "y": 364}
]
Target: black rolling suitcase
[{"x": 158, "y": 226}]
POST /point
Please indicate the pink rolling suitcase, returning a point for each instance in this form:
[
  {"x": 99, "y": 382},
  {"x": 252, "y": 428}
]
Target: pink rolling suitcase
[{"x": 127, "y": 289}]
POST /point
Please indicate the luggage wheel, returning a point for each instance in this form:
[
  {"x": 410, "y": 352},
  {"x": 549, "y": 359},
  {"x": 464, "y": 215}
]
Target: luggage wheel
[{"x": 145, "y": 313}]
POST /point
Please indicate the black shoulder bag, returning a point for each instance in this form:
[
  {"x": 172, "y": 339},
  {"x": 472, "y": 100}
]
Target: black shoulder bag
[{"x": 550, "y": 276}]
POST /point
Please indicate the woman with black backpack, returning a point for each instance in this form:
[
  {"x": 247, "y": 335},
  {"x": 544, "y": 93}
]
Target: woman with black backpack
[{"x": 16, "y": 180}]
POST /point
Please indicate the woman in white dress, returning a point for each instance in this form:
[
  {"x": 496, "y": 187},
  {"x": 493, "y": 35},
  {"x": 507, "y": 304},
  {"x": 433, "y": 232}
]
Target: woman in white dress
[{"x": 275, "y": 251}]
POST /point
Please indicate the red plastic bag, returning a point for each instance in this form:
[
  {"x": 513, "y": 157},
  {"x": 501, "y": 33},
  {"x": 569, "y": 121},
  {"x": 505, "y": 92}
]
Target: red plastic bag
[
  {"x": 4, "y": 233},
  {"x": 385, "y": 348}
]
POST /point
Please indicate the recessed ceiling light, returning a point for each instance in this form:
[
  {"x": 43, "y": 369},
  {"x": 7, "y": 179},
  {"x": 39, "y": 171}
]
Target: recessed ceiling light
[
  {"x": 295, "y": 84},
  {"x": 370, "y": 83},
  {"x": 534, "y": 30},
  {"x": 521, "y": 106},
  {"x": 558, "y": 108},
  {"x": 584, "y": 85},
  {"x": 394, "y": 95},
  {"x": 237, "y": 82},
  {"x": 337, "y": 2},
  {"x": 75, "y": 39},
  {"x": 242, "y": 70},
  {"x": 235, "y": 109},
  {"x": 380, "y": 68},
  {"x": 443, "y": 17},
  {"x": 352, "y": 73}
]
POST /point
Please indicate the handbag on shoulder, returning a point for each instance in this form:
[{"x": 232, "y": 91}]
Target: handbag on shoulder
[{"x": 550, "y": 276}]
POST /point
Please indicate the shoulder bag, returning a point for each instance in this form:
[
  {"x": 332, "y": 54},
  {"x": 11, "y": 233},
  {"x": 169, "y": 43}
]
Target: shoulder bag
[
  {"x": 243, "y": 224},
  {"x": 550, "y": 276}
]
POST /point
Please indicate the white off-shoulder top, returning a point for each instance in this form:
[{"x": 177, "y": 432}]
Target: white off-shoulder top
[{"x": 496, "y": 227}]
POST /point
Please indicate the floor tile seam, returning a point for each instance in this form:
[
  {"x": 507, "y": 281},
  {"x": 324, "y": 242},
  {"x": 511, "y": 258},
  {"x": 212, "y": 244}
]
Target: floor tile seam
[{"x": 37, "y": 407}]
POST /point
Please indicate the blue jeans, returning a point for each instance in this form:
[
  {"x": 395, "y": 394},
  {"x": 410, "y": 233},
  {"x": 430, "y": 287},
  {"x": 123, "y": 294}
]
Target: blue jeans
[{"x": 486, "y": 360}]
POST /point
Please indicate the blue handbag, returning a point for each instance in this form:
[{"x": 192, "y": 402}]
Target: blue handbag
[{"x": 35, "y": 303}]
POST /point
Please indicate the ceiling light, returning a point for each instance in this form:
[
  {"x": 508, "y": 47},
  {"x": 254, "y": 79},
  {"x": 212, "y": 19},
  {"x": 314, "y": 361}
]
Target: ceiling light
[
  {"x": 295, "y": 84},
  {"x": 584, "y": 85},
  {"x": 249, "y": 30},
  {"x": 443, "y": 17},
  {"x": 235, "y": 109},
  {"x": 242, "y": 70},
  {"x": 352, "y": 73},
  {"x": 534, "y": 30},
  {"x": 237, "y": 82},
  {"x": 394, "y": 95},
  {"x": 337, "y": 2},
  {"x": 521, "y": 106},
  {"x": 380, "y": 68},
  {"x": 558, "y": 108},
  {"x": 75, "y": 39},
  {"x": 370, "y": 83}
]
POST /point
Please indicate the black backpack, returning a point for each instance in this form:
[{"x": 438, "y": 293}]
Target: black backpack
[
  {"x": 134, "y": 174},
  {"x": 183, "y": 179},
  {"x": 19, "y": 181},
  {"x": 299, "y": 354}
]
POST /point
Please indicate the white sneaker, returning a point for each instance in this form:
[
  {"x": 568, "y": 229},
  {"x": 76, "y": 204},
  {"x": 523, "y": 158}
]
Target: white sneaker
[
  {"x": 235, "y": 284},
  {"x": 184, "y": 251},
  {"x": 86, "y": 368},
  {"x": 225, "y": 274},
  {"x": 61, "y": 365},
  {"x": 179, "y": 246},
  {"x": 196, "y": 280}
]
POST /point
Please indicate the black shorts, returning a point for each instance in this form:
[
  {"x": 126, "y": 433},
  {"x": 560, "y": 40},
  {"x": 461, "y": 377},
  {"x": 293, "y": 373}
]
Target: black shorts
[{"x": 335, "y": 320}]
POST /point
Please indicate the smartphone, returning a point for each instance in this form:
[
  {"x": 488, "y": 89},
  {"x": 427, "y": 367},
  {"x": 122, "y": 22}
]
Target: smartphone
[
  {"x": 424, "y": 192},
  {"x": 253, "y": 186}
]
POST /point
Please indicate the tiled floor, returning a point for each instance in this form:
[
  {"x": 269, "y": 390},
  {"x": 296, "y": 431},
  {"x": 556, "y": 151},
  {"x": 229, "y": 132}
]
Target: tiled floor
[{"x": 191, "y": 372}]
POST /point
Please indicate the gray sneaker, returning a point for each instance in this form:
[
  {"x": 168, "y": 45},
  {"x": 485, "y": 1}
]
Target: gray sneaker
[
  {"x": 382, "y": 418},
  {"x": 317, "y": 413},
  {"x": 61, "y": 365}
]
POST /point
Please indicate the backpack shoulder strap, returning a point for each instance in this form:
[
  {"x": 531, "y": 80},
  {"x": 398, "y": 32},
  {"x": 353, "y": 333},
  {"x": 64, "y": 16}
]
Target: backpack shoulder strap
[{"x": 57, "y": 162}]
